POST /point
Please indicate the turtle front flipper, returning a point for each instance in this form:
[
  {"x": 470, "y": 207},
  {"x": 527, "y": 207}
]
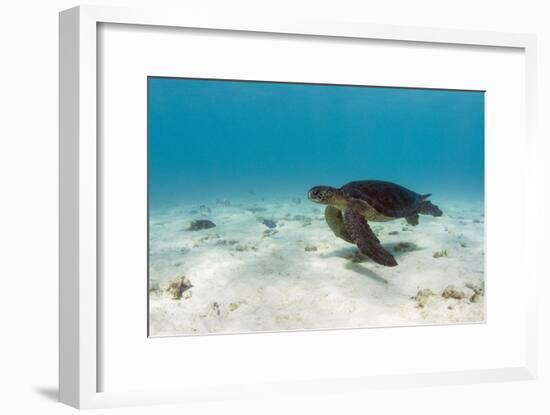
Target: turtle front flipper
[
  {"x": 335, "y": 222},
  {"x": 366, "y": 240}
]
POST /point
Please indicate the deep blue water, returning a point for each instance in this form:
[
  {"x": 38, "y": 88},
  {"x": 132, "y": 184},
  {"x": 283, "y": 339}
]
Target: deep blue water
[{"x": 213, "y": 139}]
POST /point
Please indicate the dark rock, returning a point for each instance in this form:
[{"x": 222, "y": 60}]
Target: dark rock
[
  {"x": 177, "y": 287},
  {"x": 200, "y": 224},
  {"x": 422, "y": 297},
  {"x": 269, "y": 223},
  {"x": 452, "y": 292},
  {"x": 256, "y": 209}
]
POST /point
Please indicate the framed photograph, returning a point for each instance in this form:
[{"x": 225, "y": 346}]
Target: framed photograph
[
  {"x": 266, "y": 248},
  {"x": 259, "y": 208}
]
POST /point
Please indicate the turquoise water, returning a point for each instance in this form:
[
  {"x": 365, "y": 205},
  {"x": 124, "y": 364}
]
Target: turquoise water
[{"x": 216, "y": 139}]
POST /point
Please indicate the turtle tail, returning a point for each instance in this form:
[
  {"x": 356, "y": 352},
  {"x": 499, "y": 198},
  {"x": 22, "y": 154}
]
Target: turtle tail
[{"x": 428, "y": 208}]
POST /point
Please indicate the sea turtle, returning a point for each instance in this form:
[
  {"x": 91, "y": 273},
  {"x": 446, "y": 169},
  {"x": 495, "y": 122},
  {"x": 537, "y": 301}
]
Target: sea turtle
[{"x": 352, "y": 206}]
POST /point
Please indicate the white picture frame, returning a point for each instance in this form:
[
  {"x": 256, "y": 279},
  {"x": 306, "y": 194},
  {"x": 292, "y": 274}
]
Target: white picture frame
[{"x": 78, "y": 348}]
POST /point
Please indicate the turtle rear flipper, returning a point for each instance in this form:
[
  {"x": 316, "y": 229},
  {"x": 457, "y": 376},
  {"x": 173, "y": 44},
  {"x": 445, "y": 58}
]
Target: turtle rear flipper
[{"x": 366, "y": 240}]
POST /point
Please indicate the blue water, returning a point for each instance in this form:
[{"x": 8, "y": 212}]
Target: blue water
[{"x": 212, "y": 139}]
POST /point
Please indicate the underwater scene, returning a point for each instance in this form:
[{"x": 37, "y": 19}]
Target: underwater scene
[{"x": 290, "y": 206}]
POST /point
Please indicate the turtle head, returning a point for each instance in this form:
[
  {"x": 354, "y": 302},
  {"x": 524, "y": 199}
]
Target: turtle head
[{"x": 323, "y": 194}]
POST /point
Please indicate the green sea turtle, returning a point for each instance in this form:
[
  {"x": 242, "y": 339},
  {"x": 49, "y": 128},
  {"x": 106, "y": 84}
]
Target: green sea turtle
[{"x": 352, "y": 206}]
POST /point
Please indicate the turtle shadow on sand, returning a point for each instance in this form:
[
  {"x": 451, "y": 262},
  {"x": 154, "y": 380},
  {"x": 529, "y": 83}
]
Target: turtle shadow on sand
[
  {"x": 355, "y": 258},
  {"x": 356, "y": 267},
  {"x": 398, "y": 249},
  {"x": 353, "y": 262}
]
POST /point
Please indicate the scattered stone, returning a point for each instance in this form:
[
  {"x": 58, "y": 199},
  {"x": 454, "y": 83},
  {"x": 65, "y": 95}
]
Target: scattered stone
[
  {"x": 310, "y": 248},
  {"x": 269, "y": 223},
  {"x": 177, "y": 287},
  {"x": 209, "y": 237},
  {"x": 204, "y": 209},
  {"x": 479, "y": 291},
  {"x": 476, "y": 289},
  {"x": 405, "y": 229},
  {"x": 224, "y": 242},
  {"x": 233, "y": 307},
  {"x": 475, "y": 298},
  {"x": 422, "y": 297},
  {"x": 270, "y": 232},
  {"x": 244, "y": 248},
  {"x": 477, "y": 221},
  {"x": 306, "y": 223},
  {"x": 452, "y": 292},
  {"x": 404, "y": 247},
  {"x": 463, "y": 245},
  {"x": 441, "y": 254},
  {"x": 256, "y": 209},
  {"x": 200, "y": 224},
  {"x": 393, "y": 233}
]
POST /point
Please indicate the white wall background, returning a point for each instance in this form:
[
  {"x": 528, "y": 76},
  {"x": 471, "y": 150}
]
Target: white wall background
[{"x": 28, "y": 207}]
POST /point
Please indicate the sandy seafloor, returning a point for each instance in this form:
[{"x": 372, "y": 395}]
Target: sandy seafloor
[{"x": 246, "y": 277}]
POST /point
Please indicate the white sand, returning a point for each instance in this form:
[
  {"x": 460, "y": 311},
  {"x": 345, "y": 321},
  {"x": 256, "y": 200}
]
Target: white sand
[{"x": 246, "y": 281}]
